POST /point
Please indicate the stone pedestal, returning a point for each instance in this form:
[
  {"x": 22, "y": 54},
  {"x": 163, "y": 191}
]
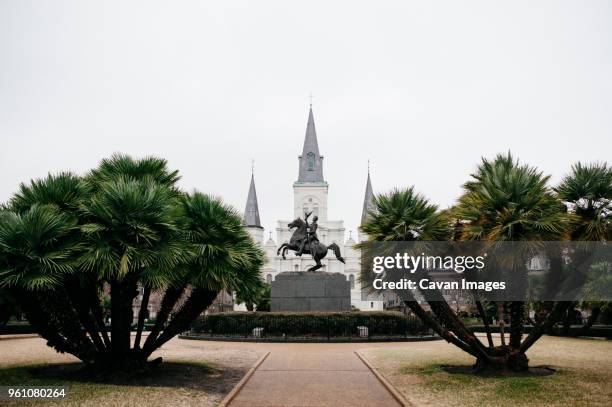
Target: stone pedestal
[{"x": 303, "y": 291}]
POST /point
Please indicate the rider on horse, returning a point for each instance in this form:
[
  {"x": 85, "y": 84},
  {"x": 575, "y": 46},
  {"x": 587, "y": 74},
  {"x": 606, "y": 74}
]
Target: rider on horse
[
  {"x": 306, "y": 234},
  {"x": 311, "y": 234}
]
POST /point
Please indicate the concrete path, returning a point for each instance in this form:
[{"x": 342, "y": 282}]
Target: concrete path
[{"x": 313, "y": 376}]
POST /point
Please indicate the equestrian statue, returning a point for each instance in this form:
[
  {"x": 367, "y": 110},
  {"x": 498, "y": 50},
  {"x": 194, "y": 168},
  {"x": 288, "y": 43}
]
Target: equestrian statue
[{"x": 305, "y": 241}]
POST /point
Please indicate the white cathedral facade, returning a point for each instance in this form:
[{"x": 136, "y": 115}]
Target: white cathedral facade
[{"x": 310, "y": 194}]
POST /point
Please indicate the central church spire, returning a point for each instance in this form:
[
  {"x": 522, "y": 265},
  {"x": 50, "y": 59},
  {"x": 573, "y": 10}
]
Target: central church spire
[
  {"x": 310, "y": 190},
  {"x": 311, "y": 161}
]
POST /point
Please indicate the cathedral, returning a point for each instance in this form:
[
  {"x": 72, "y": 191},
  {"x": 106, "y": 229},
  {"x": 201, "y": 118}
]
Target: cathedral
[{"x": 310, "y": 195}]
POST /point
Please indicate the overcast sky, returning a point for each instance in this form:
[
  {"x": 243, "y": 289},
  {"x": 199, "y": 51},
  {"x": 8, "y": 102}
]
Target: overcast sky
[{"x": 423, "y": 89}]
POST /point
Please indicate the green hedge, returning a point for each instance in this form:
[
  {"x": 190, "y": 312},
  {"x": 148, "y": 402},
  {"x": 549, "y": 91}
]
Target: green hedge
[{"x": 310, "y": 324}]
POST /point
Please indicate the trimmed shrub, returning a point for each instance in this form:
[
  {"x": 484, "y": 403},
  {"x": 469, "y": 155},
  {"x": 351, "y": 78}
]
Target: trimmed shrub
[{"x": 308, "y": 324}]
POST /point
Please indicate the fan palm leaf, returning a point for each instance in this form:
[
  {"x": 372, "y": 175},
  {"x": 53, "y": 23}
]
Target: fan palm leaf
[
  {"x": 588, "y": 192},
  {"x": 37, "y": 247},
  {"x": 226, "y": 258}
]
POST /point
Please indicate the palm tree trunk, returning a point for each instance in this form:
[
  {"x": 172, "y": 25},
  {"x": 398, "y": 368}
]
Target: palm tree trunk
[
  {"x": 141, "y": 316},
  {"x": 122, "y": 313},
  {"x": 77, "y": 295},
  {"x": 49, "y": 315},
  {"x": 41, "y": 324},
  {"x": 439, "y": 329},
  {"x": 590, "y": 321},
  {"x": 98, "y": 315},
  {"x": 90, "y": 328},
  {"x": 501, "y": 323},
  {"x": 539, "y": 330},
  {"x": 171, "y": 296},
  {"x": 198, "y": 301},
  {"x": 485, "y": 321},
  {"x": 517, "y": 318},
  {"x": 445, "y": 314}
]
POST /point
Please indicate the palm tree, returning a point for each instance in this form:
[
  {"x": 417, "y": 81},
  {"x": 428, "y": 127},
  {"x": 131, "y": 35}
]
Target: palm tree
[
  {"x": 37, "y": 255},
  {"x": 504, "y": 201},
  {"x": 132, "y": 236},
  {"x": 125, "y": 225},
  {"x": 404, "y": 215},
  {"x": 148, "y": 169},
  {"x": 507, "y": 201},
  {"x": 67, "y": 192},
  {"x": 587, "y": 191}
]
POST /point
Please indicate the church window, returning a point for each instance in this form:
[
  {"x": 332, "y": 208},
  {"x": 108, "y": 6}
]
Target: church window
[
  {"x": 311, "y": 161},
  {"x": 269, "y": 278},
  {"x": 352, "y": 281}
]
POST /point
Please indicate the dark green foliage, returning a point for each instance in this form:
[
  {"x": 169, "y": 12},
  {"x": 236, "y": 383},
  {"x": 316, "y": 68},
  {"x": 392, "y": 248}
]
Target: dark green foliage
[
  {"x": 125, "y": 226},
  {"x": 504, "y": 201},
  {"x": 588, "y": 191},
  {"x": 64, "y": 190},
  {"x": 404, "y": 215},
  {"x": 510, "y": 201},
  {"x": 9, "y": 307},
  {"x": 38, "y": 247},
  {"x": 308, "y": 324}
]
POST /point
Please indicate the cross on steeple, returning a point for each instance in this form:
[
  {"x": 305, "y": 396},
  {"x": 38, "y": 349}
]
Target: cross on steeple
[{"x": 310, "y": 97}]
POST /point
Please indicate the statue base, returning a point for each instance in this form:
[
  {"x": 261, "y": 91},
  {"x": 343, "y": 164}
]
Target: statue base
[{"x": 302, "y": 291}]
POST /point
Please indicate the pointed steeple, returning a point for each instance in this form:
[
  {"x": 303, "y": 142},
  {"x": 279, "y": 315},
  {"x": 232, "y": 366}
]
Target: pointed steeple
[
  {"x": 311, "y": 162},
  {"x": 251, "y": 212},
  {"x": 367, "y": 199}
]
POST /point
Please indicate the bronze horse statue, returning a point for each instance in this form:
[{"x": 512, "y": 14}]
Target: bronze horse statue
[{"x": 315, "y": 248}]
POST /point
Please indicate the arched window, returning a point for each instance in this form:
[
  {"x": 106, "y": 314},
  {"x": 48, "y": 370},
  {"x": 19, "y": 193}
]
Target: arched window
[
  {"x": 311, "y": 161},
  {"x": 315, "y": 209},
  {"x": 296, "y": 267},
  {"x": 269, "y": 278},
  {"x": 352, "y": 281}
]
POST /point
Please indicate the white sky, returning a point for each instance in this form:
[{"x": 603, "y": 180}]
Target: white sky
[{"x": 423, "y": 89}]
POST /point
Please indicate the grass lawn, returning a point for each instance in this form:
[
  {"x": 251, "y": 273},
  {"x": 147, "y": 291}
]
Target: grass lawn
[
  {"x": 184, "y": 383},
  {"x": 583, "y": 375},
  {"x": 193, "y": 374}
]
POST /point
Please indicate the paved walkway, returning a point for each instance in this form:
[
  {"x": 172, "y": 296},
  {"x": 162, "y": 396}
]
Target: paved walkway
[{"x": 313, "y": 376}]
